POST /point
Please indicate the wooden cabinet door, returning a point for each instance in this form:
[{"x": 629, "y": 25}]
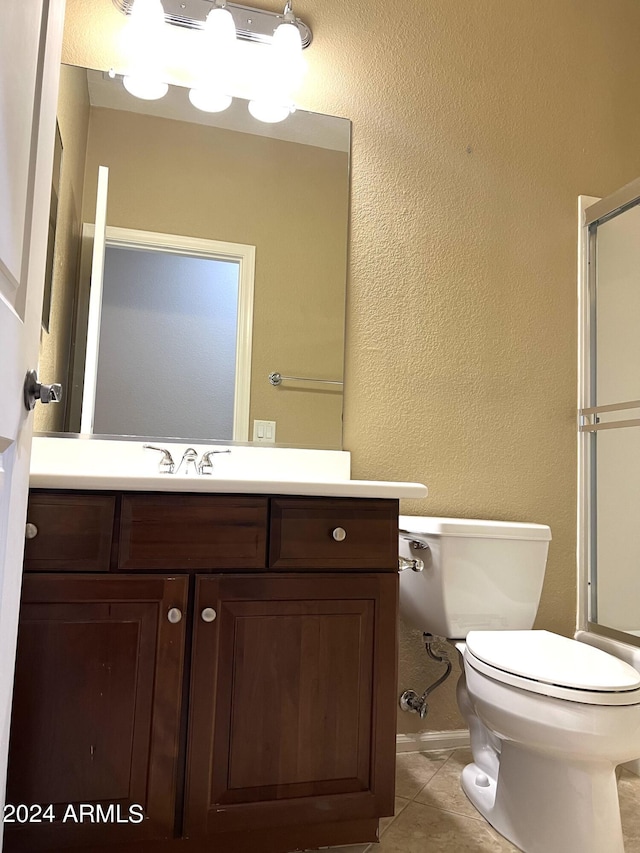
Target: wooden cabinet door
[
  {"x": 96, "y": 710},
  {"x": 293, "y": 696}
]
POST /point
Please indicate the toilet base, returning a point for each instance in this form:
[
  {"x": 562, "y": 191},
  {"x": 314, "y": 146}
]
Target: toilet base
[{"x": 543, "y": 805}]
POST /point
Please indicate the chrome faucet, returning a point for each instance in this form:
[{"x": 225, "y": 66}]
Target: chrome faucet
[
  {"x": 190, "y": 456},
  {"x": 166, "y": 464},
  {"x": 206, "y": 463}
]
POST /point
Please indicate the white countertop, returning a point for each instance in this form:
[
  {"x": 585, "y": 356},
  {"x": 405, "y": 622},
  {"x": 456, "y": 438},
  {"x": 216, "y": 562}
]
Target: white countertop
[
  {"x": 103, "y": 465},
  {"x": 171, "y": 483}
]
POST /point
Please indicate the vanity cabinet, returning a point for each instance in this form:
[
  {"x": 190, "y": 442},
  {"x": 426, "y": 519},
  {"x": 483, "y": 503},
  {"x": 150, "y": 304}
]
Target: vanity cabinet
[{"x": 231, "y": 669}]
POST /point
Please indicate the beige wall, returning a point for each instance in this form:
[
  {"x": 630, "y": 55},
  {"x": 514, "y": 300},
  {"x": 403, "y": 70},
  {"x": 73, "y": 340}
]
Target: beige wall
[
  {"x": 476, "y": 124},
  {"x": 54, "y": 359},
  {"x": 288, "y": 200}
]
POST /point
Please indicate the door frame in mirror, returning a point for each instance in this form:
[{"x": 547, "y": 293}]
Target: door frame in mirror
[{"x": 242, "y": 254}]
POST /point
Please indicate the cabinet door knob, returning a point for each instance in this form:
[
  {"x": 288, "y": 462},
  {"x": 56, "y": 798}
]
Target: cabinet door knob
[
  {"x": 30, "y": 531},
  {"x": 208, "y": 614},
  {"x": 339, "y": 534},
  {"x": 174, "y": 615}
]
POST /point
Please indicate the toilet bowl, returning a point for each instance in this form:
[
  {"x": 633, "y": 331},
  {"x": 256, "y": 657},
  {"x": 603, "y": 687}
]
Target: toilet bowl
[
  {"x": 560, "y": 720},
  {"x": 549, "y": 718}
]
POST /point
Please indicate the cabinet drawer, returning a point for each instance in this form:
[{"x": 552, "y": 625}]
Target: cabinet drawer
[
  {"x": 72, "y": 532},
  {"x": 192, "y": 532},
  {"x": 307, "y": 533}
]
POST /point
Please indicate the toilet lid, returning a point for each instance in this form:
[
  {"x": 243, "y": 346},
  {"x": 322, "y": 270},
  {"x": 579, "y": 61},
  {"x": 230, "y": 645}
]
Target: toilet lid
[{"x": 550, "y": 659}]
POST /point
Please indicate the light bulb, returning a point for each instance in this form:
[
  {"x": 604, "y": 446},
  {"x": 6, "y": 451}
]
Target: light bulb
[
  {"x": 209, "y": 100},
  {"x": 220, "y": 29},
  {"x": 147, "y": 88},
  {"x": 282, "y": 74},
  {"x": 145, "y": 33},
  {"x": 270, "y": 111},
  {"x": 217, "y": 44},
  {"x": 287, "y": 40},
  {"x": 147, "y": 12},
  {"x": 287, "y": 53}
]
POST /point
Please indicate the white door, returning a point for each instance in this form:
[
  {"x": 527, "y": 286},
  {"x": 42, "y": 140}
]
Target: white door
[{"x": 30, "y": 45}]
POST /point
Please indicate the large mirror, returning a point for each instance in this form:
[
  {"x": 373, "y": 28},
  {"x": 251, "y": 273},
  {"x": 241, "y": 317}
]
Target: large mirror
[{"x": 223, "y": 261}]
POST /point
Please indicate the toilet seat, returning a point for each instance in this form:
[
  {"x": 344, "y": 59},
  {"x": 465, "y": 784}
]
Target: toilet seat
[{"x": 552, "y": 665}]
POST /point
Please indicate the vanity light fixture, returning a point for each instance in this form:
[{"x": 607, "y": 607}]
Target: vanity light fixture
[
  {"x": 144, "y": 34},
  {"x": 276, "y": 77}
]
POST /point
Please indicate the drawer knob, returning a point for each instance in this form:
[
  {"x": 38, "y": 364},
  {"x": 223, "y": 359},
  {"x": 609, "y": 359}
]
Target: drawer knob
[
  {"x": 174, "y": 615},
  {"x": 339, "y": 534},
  {"x": 30, "y": 531},
  {"x": 208, "y": 614}
]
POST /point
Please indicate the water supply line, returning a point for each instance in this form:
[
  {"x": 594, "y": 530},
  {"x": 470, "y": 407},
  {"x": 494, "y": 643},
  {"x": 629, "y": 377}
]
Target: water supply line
[{"x": 409, "y": 700}]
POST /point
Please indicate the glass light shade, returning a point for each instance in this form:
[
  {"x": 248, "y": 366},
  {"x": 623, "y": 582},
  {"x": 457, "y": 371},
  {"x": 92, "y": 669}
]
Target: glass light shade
[
  {"x": 214, "y": 60},
  {"x": 287, "y": 64},
  {"x": 209, "y": 100},
  {"x": 147, "y": 12},
  {"x": 141, "y": 86},
  {"x": 220, "y": 28},
  {"x": 144, "y": 43},
  {"x": 270, "y": 111},
  {"x": 287, "y": 40}
]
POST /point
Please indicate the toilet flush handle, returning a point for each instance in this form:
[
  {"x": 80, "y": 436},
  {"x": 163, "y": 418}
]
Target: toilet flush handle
[{"x": 417, "y": 544}]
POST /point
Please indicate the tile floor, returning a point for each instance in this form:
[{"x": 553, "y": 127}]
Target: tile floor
[{"x": 433, "y": 814}]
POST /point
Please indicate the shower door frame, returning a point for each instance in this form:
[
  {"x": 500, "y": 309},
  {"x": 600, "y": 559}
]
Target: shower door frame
[{"x": 592, "y": 211}]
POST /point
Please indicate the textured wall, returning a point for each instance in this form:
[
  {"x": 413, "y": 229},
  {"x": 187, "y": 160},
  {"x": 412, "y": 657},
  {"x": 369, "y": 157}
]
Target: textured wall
[
  {"x": 476, "y": 124},
  {"x": 55, "y": 351}
]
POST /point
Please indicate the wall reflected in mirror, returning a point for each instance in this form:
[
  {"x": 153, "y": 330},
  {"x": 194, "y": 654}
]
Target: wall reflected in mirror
[{"x": 224, "y": 178}]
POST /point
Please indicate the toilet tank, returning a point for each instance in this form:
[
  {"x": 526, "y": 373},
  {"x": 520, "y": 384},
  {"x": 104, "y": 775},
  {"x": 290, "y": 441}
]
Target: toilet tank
[{"x": 478, "y": 575}]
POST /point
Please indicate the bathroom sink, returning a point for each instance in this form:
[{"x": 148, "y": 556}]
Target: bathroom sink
[{"x": 92, "y": 463}]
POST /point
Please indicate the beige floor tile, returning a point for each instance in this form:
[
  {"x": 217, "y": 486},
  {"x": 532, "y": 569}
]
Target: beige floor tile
[
  {"x": 629, "y": 793},
  {"x": 441, "y": 820},
  {"x": 419, "y": 828},
  {"x": 414, "y": 769},
  {"x": 387, "y": 821},
  {"x": 443, "y": 791}
]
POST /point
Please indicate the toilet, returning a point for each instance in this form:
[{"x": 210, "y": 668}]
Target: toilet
[{"x": 550, "y": 718}]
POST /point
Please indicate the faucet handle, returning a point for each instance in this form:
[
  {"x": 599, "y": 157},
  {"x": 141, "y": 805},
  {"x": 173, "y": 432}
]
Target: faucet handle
[
  {"x": 166, "y": 464},
  {"x": 206, "y": 464}
]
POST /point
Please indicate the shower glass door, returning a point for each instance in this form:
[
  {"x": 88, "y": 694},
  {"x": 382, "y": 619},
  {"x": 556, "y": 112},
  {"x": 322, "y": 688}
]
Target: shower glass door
[{"x": 610, "y": 417}]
